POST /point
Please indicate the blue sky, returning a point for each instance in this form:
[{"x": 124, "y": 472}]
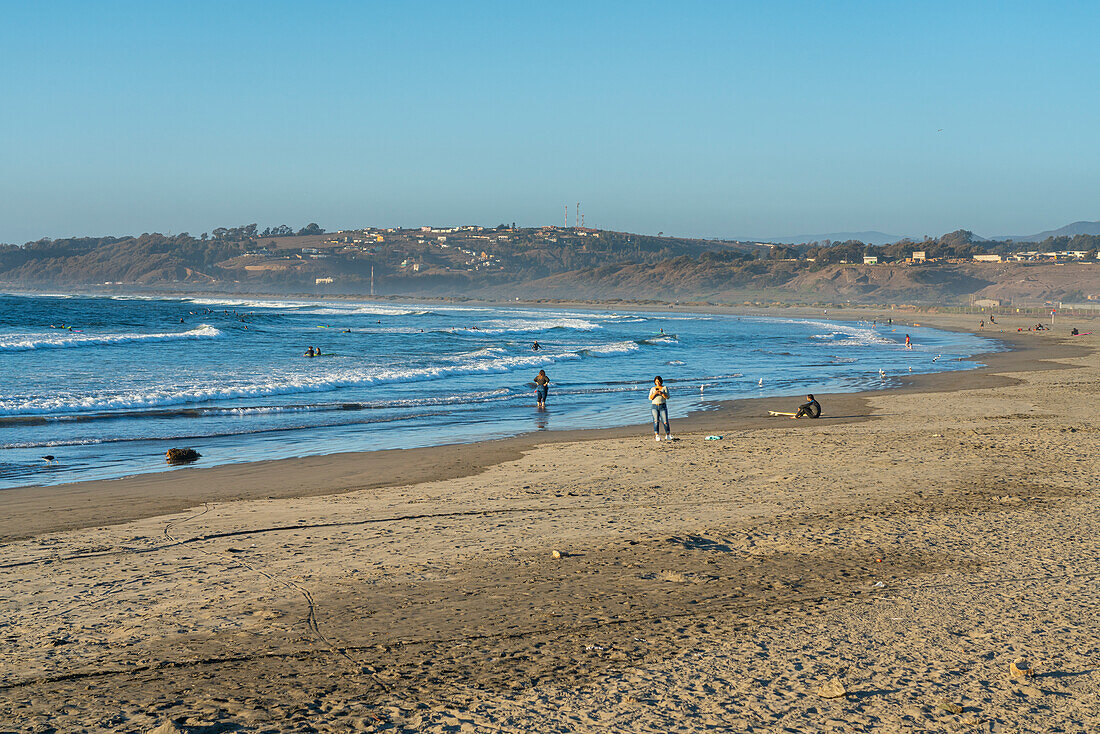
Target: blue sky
[{"x": 691, "y": 118}]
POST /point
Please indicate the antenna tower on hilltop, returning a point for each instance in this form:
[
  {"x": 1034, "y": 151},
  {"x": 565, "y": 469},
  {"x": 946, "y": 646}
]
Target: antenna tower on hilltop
[{"x": 577, "y": 219}]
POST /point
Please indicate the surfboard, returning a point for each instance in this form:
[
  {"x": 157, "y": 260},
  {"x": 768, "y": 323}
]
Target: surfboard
[{"x": 777, "y": 412}]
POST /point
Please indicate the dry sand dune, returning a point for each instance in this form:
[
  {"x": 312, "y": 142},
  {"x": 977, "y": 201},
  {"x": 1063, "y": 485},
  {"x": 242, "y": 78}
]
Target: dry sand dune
[{"x": 875, "y": 573}]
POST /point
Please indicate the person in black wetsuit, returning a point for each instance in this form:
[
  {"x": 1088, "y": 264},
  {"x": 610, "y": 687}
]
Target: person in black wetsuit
[{"x": 810, "y": 409}]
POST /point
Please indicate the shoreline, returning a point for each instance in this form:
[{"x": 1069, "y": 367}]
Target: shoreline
[
  {"x": 908, "y": 555},
  {"x": 95, "y": 503}
]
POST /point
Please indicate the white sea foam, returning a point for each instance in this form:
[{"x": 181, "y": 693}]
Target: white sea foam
[
  {"x": 55, "y": 340},
  {"x": 361, "y": 311},
  {"x": 313, "y": 308},
  {"x": 837, "y": 334},
  {"x": 507, "y": 326},
  {"x": 296, "y": 383},
  {"x": 613, "y": 348}
]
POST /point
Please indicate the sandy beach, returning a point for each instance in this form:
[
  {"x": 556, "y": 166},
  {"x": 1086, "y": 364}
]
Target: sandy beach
[{"x": 879, "y": 569}]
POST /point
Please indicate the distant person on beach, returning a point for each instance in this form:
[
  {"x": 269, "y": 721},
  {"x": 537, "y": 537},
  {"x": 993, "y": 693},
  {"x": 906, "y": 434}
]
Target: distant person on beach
[
  {"x": 1074, "y": 331},
  {"x": 810, "y": 409},
  {"x": 982, "y": 324},
  {"x": 658, "y": 399},
  {"x": 991, "y": 319},
  {"x": 908, "y": 342},
  {"x": 542, "y": 386}
]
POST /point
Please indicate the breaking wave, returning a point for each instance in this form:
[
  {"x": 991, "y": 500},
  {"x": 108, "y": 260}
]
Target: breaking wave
[
  {"x": 23, "y": 342},
  {"x": 290, "y": 384}
]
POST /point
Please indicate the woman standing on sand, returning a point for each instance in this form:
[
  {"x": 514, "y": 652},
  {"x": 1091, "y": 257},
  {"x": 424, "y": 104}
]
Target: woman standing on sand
[{"x": 658, "y": 399}]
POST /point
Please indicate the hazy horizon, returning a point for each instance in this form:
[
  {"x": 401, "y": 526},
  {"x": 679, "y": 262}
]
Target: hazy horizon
[{"x": 695, "y": 120}]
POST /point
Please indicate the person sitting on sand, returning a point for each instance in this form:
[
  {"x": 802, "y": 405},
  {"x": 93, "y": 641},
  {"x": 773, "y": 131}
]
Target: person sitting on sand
[
  {"x": 542, "y": 386},
  {"x": 1074, "y": 331},
  {"x": 658, "y": 399},
  {"x": 810, "y": 409}
]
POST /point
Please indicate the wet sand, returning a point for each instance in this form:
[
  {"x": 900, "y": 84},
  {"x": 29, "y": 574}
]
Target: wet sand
[{"x": 906, "y": 552}]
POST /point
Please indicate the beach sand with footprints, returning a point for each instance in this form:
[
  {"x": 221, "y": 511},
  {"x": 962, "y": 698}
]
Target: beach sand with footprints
[{"x": 880, "y": 569}]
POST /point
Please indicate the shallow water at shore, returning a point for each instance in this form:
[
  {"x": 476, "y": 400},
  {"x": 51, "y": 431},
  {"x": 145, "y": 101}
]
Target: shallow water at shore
[{"x": 107, "y": 384}]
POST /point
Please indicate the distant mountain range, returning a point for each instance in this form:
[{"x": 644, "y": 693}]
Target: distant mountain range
[
  {"x": 874, "y": 237},
  {"x": 1067, "y": 231},
  {"x": 871, "y": 238}
]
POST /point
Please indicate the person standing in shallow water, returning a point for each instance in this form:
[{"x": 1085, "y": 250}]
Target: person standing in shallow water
[
  {"x": 542, "y": 386},
  {"x": 658, "y": 403}
]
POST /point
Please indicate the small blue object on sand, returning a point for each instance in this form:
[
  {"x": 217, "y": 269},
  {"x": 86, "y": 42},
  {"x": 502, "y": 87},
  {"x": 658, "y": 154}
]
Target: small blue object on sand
[{"x": 713, "y": 438}]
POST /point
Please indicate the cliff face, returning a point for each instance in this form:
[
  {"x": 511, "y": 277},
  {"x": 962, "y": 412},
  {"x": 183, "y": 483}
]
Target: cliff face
[
  {"x": 689, "y": 279},
  {"x": 1054, "y": 281},
  {"x": 878, "y": 282}
]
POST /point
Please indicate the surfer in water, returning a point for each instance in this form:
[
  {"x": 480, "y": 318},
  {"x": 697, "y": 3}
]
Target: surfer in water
[
  {"x": 810, "y": 409},
  {"x": 309, "y": 353},
  {"x": 542, "y": 386},
  {"x": 535, "y": 347},
  {"x": 658, "y": 399}
]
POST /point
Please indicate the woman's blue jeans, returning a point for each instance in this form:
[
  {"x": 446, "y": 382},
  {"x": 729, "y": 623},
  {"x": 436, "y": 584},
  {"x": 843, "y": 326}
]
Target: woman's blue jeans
[{"x": 658, "y": 411}]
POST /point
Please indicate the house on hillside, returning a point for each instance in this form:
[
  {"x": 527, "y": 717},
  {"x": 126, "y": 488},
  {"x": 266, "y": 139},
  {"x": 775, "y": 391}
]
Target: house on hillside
[
  {"x": 870, "y": 260},
  {"x": 919, "y": 256},
  {"x": 988, "y": 258}
]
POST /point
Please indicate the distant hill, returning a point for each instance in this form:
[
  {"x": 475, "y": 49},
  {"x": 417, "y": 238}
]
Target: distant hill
[
  {"x": 871, "y": 237},
  {"x": 1067, "y": 231},
  {"x": 545, "y": 262}
]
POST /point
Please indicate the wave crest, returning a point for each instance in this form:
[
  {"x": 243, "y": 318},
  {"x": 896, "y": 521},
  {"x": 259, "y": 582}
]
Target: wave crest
[{"x": 24, "y": 342}]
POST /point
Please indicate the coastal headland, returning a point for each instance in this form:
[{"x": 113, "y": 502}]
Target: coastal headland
[{"x": 921, "y": 559}]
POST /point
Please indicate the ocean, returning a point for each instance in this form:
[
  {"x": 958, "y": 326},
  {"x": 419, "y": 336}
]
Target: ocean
[{"x": 107, "y": 384}]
